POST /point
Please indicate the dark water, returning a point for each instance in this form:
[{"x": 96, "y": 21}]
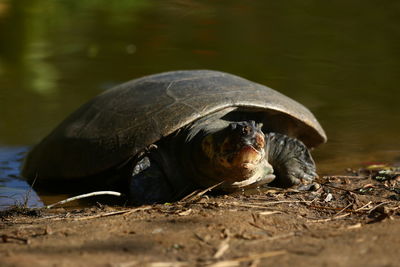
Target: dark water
[{"x": 340, "y": 59}]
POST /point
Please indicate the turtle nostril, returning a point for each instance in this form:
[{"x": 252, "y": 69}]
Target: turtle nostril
[{"x": 259, "y": 141}]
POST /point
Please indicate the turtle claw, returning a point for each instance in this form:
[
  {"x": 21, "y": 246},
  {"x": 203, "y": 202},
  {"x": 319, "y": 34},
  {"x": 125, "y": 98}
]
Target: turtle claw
[
  {"x": 295, "y": 172},
  {"x": 291, "y": 160}
]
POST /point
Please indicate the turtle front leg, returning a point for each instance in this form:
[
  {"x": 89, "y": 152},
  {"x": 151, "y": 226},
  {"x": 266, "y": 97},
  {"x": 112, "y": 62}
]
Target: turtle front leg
[
  {"x": 291, "y": 160},
  {"x": 148, "y": 184},
  {"x": 157, "y": 178}
]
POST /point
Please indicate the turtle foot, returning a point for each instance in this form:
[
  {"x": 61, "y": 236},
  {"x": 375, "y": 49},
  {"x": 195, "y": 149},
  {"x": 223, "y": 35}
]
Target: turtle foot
[
  {"x": 291, "y": 160},
  {"x": 148, "y": 184}
]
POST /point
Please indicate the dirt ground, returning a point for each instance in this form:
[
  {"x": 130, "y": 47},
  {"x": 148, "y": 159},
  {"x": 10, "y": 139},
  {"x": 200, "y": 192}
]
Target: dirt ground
[{"x": 351, "y": 220}]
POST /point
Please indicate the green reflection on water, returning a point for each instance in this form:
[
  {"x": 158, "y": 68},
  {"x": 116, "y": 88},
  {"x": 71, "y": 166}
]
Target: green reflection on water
[{"x": 340, "y": 59}]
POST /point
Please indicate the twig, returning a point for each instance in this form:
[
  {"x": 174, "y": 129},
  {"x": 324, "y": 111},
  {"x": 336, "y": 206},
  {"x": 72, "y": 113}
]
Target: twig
[
  {"x": 7, "y": 238},
  {"x": 248, "y": 205},
  {"x": 196, "y": 194},
  {"x": 362, "y": 207},
  {"x": 269, "y": 212},
  {"x": 138, "y": 209},
  {"x": 354, "y": 226},
  {"x": 340, "y": 209},
  {"x": 345, "y": 176},
  {"x": 101, "y": 215},
  {"x": 285, "y": 201},
  {"x": 97, "y": 193},
  {"x": 248, "y": 258},
  {"x": 267, "y": 203},
  {"x": 28, "y": 194},
  {"x": 223, "y": 247},
  {"x": 344, "y": 209},
  {"x": 281, "y": 236},
  {"x": 122, "y": 212},
  {"x": 329, "y": 219},
  {"x": 380, "y": 204}
]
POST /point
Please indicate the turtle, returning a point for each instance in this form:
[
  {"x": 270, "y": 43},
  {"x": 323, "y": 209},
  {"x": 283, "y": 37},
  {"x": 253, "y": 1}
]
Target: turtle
[{"x": 159, "y": 137}]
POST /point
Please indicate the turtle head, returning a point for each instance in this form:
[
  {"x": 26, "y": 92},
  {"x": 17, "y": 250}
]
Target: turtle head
[
  {"x": 236, "y": 155},
  {"x": 240, "y": 145}
]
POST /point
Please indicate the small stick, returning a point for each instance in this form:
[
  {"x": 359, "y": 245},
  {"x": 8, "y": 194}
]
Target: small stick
[
  {"x": 101, "y": 215},
  {"x": 345, "y": 176},
  {"x": 268, "y": 212},
  {"x": 264, "y": 205},
  {"x": 6, "y": 239},
  {"x": 97, "y": 193},
  {"x": 267, "y": 203},
  {"x": 362, "y": 207},
  {"x": 344, "y": 209},
  {"x": 197, "y": 194},
  {"x": 329, "y": 219},
  {"x": 380, "y": 204},
  {"x": 281, "y": 236},
  {"x": 112, "y": 213},
  {"x": 223, "y": 247},
  {"x": 251, "y": 257},
  {"x": 248, "y": 206},
  {"x": 333, "y": 208}
]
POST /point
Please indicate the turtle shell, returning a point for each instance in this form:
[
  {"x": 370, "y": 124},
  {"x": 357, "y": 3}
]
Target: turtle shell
[{"x": 124, "y": 120}]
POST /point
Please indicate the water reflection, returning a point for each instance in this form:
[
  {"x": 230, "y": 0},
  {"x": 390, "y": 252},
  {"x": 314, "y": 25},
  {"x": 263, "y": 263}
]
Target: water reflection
[{"x": 341, "y": 59}]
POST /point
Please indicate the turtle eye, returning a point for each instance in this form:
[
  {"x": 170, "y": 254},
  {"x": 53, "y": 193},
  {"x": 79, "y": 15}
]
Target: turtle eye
[{"x": 246, "y": 130}]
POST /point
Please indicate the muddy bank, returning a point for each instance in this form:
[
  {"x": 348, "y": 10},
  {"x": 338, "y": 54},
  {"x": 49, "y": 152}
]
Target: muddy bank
[{"x": 350, "y": 220}]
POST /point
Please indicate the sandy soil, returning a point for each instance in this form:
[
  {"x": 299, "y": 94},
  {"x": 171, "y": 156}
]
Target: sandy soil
[{"x": 351, "y": 220}]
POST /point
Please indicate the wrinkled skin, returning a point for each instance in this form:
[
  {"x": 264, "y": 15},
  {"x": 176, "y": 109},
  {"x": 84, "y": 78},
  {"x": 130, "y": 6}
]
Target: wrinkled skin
[{"x": 236, "y": 154}]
